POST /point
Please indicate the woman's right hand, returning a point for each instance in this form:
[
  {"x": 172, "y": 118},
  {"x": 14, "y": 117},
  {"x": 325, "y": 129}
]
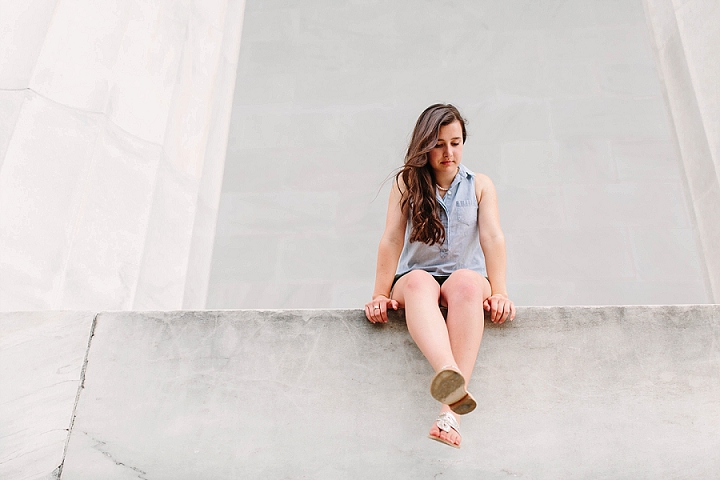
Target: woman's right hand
[{"x": 377, "y": 308}]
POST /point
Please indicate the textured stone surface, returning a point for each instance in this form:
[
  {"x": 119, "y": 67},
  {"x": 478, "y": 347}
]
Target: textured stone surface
[
  {"x": 23, "y": 27},
  {"x": 41, "y": 360},
  {"x": 573, "y": 392},
  {"x": 41, "y": 202}
]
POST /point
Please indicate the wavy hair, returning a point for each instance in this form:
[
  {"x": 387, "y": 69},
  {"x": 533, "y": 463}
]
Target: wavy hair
[{"x": 419, "y": 197}]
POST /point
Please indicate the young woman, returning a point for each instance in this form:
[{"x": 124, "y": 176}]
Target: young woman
[{"x": 442, "y": 246}]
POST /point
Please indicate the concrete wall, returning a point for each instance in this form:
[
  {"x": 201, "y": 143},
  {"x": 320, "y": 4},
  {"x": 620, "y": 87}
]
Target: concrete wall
[
  {"x": 566, "y": 114},
  {"x": 112, "y": 142},
  {"x": 567, "y": 392},
  {"x": 687, "y": 44}
]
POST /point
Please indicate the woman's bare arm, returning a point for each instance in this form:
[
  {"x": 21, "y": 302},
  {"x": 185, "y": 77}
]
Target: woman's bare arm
[
  {"x": 389, "y": 250},
  {"x": 492, "y": 242}
]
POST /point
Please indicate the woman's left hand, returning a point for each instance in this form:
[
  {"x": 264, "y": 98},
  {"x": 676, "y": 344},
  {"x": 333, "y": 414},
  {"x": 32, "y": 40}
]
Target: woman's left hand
[{"x": 500, "y": 307}]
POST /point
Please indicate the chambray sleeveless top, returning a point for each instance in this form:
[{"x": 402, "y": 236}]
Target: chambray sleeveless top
[{"x": 461, "y": 249}]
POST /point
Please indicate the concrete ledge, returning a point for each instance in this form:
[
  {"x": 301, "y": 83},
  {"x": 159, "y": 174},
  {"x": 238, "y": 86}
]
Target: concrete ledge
[{"x": 564, "y": 392}]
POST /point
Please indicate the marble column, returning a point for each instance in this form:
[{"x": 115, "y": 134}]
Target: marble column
[
  {"x": 112, "y": 144},
  {"x": 687, "y": 44}
]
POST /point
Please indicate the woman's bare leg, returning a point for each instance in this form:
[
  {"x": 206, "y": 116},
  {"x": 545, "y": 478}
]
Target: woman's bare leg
[
  {"x": 419, "y": 294},
  {"x": 455, "y": 342},
  {"x": 463, "y": 293}
]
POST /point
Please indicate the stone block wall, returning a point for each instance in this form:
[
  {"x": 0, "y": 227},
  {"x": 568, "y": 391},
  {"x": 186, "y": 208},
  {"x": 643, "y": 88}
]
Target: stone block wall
[{"x": 566, "y": 114}]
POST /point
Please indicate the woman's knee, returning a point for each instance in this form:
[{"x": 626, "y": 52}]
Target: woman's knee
[
  {"x": 419, "y": 281},
  {"x": 466, "y": 285}
]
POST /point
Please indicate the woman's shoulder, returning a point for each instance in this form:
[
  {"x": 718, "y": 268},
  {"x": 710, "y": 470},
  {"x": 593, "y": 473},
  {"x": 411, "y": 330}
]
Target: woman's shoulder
[
  {"x": 398, "y": 189},
  {"x": 479, "y": 178},
  {"x": 398, "y": 185},
  {"x": 482, "y": 180},
  {"x": 483, "y": 184}
]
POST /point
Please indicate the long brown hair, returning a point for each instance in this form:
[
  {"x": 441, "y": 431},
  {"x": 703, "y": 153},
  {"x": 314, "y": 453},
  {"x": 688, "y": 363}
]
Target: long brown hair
[{"x": 419, "y": 197}]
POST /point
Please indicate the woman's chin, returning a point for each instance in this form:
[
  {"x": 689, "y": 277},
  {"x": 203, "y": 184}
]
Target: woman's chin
[{"x": 449, "y": 167}]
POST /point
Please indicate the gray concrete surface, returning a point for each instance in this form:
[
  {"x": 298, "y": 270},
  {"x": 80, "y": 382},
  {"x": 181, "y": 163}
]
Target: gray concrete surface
[
  {"x": 566, "y": 115},
  {"x": 572, "y": 392}
]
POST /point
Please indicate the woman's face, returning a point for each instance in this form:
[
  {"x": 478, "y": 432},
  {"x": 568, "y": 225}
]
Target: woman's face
[{"x": 446, "y": 155}]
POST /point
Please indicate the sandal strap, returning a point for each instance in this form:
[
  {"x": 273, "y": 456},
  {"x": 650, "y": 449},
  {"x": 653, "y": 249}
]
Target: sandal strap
[{"x": 446, "y": 420}]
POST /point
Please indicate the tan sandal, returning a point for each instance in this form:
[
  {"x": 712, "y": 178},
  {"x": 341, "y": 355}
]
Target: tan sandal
[
  {"x": 446, "y": 421},
  {"x": 448, "y": 388}
]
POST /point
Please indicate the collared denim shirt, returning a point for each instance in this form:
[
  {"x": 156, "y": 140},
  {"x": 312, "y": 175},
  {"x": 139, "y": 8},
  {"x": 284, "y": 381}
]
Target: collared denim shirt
[{"x": 461, "y": 249}]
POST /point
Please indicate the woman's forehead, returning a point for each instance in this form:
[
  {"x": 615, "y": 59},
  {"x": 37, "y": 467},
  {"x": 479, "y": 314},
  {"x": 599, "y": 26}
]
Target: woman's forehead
[{"x": 450, "y": 131}]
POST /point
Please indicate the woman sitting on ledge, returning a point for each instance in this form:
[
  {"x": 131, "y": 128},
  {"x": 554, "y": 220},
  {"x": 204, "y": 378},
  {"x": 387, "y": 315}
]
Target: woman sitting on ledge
[{"x": 442, "y": 231}]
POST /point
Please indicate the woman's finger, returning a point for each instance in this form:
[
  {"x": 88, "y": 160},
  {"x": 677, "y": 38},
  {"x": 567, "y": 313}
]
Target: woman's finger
[
  {"x": 496, "y": 307},
  {"x": 508, "y": 310},
  {"x": 375, "y": 311},
  {"x": 371, "y": 312},
  {"x": 501, "y": 311},
  {"x": 505, "y": 312},
  {"x": 383, "y": 312}
]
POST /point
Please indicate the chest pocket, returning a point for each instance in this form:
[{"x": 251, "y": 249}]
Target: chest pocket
[{"x": 466, "y": 211}]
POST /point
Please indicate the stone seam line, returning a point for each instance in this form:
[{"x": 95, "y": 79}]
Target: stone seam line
[
  {"x": 58, "y": 471},
  {"x": 98, "y": 113}
]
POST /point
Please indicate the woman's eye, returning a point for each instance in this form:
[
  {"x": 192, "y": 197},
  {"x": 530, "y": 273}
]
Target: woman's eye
[
  {"x": 455, "y": 144},
  {"x": 438, "y": 145}
]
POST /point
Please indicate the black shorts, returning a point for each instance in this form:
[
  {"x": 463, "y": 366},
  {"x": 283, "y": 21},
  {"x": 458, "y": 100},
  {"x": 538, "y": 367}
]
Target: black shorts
[{"x": 438, "y": 278}]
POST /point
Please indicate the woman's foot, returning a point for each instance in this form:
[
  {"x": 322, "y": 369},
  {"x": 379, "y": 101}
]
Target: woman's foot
[
  {"x": 448, "y": 387},
  {"x": 445, "y": 428}
]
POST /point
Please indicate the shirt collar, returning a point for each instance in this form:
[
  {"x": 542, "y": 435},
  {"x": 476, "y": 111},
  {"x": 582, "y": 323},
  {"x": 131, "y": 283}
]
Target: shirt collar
[{"x": 463, "y": 173}]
